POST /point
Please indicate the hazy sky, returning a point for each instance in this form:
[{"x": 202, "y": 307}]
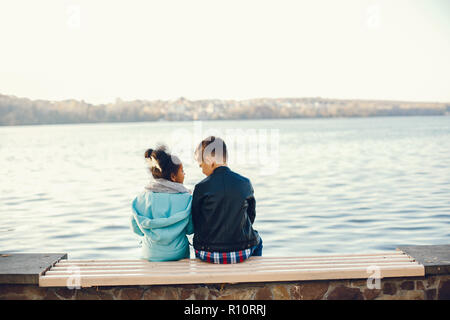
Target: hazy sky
[{"x": 98, "y": 50}]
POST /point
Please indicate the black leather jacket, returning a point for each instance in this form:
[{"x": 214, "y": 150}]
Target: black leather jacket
[{"x": 223, "y": 211}]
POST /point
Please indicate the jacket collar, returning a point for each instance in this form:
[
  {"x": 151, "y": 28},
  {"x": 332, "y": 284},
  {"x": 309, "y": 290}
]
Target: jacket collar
[
  {"x": 166, "y": 186},
  {"x": 221, "y": 169}
]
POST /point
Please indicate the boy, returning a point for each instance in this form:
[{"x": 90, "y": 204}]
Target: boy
[{"x": 223, "y": 209}]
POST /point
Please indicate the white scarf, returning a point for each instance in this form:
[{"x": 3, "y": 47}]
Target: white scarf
[{"x": 166, "y": 186}]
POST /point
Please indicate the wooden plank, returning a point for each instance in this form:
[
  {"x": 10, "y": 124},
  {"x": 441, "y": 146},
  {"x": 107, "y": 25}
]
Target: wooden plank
[
  {"x": 218, "y": 268},
  {"x": 207, "y": 267},
  {"x": 392, "y": 254},
  {"x": 249, "y": 262},
  {"x": 234, "y": 272},
  {"x": 232, "y": 277},
  {"x": 242, "y": 272},
  {"x": 378, "y": 254},
  {"x": 185, "y": 272},
  {"x": 255, "y": 260},
  {"x": 197, "y": 263}
]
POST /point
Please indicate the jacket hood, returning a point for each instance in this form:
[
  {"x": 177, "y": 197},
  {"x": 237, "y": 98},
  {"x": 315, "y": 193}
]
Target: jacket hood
[
  {"x": 166, "y": 186},
  {"x": 161, "y": 216}
]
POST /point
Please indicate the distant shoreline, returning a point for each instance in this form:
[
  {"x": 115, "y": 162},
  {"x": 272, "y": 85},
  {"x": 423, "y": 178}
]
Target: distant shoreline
[
  {"x": 16, "y": 111},
  {"x": 238, "y": 120}
]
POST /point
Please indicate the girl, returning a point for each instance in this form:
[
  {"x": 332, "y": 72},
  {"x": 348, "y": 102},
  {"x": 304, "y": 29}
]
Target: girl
[{"x": 161, "y": 215}]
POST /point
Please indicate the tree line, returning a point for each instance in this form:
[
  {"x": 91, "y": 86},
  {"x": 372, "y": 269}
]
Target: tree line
[{"x": 23, "y": 111}]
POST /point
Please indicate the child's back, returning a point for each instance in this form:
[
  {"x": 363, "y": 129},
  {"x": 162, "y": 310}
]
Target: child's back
[
  {"x": 223, "y": 212},
  {"x": 163, "y": 220}
]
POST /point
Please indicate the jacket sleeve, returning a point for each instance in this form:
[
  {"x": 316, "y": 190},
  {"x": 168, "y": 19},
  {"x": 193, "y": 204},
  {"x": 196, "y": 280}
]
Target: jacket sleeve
[
  {"x": 251, "y": 209},
  {"x": 195, "y": 209},
  {"x": 190, "y": 226},
  {"x": 133, "y": 223},
  {"x": 135, "y": 227}
]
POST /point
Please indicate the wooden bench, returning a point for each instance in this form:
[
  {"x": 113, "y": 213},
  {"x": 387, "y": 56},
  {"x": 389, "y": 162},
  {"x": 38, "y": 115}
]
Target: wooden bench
[{"x": 90, "y": 273}]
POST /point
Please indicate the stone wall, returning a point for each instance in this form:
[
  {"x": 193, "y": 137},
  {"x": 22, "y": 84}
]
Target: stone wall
[{"x": 422, "y": 288}]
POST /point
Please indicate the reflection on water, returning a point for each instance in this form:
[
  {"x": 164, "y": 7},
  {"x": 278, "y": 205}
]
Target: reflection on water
[{"x": 343, "y": 185}]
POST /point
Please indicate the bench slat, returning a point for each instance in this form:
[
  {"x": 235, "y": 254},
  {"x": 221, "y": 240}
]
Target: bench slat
[
  {"x": 254, "y": 260},
  {"x": 261, "y": 264},
  {"x": 390, "y": 254},
  {"x": 207, "y": 266},
  {"x": 214, "y": 270},
  {"x": 232, "y": 276}
]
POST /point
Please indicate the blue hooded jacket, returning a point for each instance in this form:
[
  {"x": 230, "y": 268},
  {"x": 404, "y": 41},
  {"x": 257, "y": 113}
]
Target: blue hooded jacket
[{"x": 163, "y": 220}]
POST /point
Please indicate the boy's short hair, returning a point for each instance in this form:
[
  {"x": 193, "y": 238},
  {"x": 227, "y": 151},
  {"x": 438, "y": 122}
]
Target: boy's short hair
[{"x": 211, "y": 149}]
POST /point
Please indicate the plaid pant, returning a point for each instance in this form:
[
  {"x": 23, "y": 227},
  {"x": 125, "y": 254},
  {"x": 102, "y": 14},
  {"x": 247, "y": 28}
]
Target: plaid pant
[{"x": 228, "y": 257}]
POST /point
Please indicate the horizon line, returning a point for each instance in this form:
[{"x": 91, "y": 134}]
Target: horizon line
[{"x": 181, "y": 97}]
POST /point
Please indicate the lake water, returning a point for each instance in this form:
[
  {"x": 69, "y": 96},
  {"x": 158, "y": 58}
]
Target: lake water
[{"x": 334, "y": 185}]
